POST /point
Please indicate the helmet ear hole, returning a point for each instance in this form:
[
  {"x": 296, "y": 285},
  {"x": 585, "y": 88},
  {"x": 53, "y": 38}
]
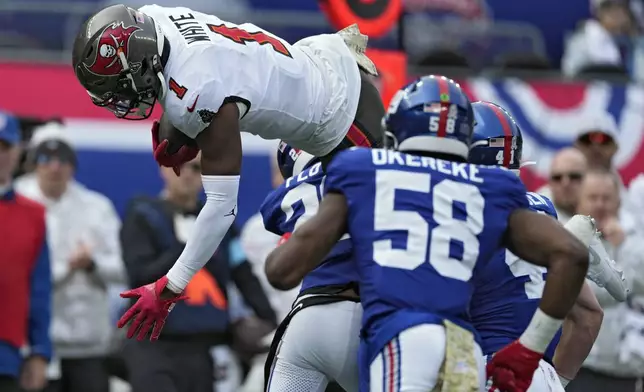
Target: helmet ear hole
[
  {"x": 144, "y": 67},
  {"x": 89, "y": 52}
]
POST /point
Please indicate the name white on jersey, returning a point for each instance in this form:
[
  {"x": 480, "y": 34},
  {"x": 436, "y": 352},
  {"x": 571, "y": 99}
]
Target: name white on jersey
[{"x": 305, "y": 94}]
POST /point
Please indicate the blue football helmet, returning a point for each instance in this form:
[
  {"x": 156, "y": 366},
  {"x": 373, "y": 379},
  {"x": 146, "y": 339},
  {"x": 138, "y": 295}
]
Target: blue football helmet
[
  {"x": 497, "y": 138},
  {"x": 292, "y": 161},
  {"x": 431, "y": 114}
]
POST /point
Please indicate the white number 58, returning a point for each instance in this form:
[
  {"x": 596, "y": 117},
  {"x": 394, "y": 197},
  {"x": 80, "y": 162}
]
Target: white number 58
[{"x": 445, "y": 193}]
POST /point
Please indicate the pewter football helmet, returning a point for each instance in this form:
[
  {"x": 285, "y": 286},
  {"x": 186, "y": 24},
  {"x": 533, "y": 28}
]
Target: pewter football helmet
[{"x": 116, "y": 57}]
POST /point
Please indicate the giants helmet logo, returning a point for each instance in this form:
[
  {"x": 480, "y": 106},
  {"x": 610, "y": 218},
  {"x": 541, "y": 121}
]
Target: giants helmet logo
[{"x": 114, "y": 39}]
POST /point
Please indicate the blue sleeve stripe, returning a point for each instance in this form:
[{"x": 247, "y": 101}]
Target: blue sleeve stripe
[{"x": 40, "y": 305}]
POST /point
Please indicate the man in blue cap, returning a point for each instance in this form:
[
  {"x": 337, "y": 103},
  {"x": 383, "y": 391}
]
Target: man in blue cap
[
  {"x": 10, "y": 138},
  {"x": 25, "y": 277}
]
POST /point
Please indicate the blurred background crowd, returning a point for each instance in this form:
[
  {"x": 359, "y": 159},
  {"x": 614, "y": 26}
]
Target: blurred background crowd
[{"x": 85, "y": 212}]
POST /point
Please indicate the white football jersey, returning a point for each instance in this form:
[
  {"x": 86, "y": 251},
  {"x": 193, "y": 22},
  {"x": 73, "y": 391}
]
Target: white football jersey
[{"x": 305, "y": 94}]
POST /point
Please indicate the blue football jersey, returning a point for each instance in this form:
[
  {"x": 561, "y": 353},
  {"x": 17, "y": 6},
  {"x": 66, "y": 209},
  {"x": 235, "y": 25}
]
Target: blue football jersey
[
  {"x": 507, "y": 293},
  {"x": 419, "y": 227},
  {"x": 290, "y": 205}
]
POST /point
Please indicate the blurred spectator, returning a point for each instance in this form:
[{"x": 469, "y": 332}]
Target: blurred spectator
[
  {"x": 615, "y": 363},
  {"x": 636, "y": 198},
  {"x": 25, "y": 277},
  {"x": 597, "y": 139},
  {"x": 567, "y": 170},
  {"x": 606, "y": 40},
  {"x": 154, "y": 234},
  {"x": 230, "y": 10},
  {"x": 258, "y": 243},
  {"x": 28, "y": 125},
  {"x": 83, "y": 237}
]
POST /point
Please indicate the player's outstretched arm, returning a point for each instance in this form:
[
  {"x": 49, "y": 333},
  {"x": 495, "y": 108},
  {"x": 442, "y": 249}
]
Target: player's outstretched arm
[
  {"x": 541, "y": 240},
  {"x": 220, "y": 145},
  {"x": 580, "y": 329},
  {"x": 221, "y": 154},
  {"x": 287, "y": 264}
]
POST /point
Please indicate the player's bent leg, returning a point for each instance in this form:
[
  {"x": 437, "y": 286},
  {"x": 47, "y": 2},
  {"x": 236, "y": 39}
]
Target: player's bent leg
[
  {"x": 339, "y": 346},
  {"x": 320, "y": 344},
  {"x": 366, "y": 129},
  {"x": 291, "y": 371},
  {"x": 415, "y": 361},
  {"x": 545, "y": 379},
  {"x": 287, "y": 377},
  {"x": 368, "y": 119}
]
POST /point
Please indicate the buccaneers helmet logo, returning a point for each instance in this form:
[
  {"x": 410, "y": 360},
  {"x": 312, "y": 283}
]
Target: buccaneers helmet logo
[{"x": 114, "y": 39}]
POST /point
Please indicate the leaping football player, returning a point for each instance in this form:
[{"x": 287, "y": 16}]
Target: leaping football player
[
  {"x": 508, "y": 289},
  {"x": 215, "y": 79},
  {"x": 422, "y": 221}
]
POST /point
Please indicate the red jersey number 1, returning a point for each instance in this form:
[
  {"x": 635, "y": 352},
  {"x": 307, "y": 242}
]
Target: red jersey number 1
[
  {"x": 240, "y": 36},
  {"x": 176, "y": 88}
]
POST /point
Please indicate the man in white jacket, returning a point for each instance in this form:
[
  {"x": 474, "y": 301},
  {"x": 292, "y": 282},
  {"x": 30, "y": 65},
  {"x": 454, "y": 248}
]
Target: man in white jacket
[
  {"x": 616, "y": 361},
  {"x": 257, "y": 243},
  {"x": 636, "y": 197},
  {"x": 601, "y": 41},
  {"x": 83, "y": 230}
]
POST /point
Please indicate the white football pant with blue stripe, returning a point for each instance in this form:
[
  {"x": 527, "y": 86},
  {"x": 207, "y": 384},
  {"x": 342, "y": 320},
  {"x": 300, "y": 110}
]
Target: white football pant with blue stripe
[{"x": 413, "y": 360}]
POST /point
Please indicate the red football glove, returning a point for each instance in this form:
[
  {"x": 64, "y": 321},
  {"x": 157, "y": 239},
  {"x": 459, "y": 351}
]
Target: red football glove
[
  {"x": 512, "y": 368},
  {"x": 149, "y": 311},
  {"x": 163, "y": 158}
]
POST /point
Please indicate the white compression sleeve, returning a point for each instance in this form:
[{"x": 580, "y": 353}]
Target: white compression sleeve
[
  {"x": 540, "y": 331},
  {"x": 211, "y": 225}
]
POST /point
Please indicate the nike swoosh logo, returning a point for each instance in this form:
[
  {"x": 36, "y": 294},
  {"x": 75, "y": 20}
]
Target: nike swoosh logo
[{"x": 192, "y": 108}]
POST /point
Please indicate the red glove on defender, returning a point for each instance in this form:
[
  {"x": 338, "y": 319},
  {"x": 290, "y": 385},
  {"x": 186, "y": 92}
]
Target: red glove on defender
[
  {"x": 512, "y": 368},
  {"x": 149, "y": 311},
  {"x": 163, "y": 158}
]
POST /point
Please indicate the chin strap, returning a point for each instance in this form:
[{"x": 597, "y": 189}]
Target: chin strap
[
  {"x": 164, "y": 87},
  {"x": 301, "y": 162},
  {"x": 158, "y": 63},
  {"x": 527, "y": 163},
  {"x": 157, "y": 66}
]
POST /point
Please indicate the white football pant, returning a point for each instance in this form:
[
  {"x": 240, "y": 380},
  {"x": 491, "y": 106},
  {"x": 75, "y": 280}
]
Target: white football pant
[
  {"x": 545, "y": 379},
  {"x": 319, "y": 345},
  {"x": 412, "y": 361}
]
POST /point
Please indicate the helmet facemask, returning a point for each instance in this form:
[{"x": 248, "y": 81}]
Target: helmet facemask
[{"x": 128, "y": 100}]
